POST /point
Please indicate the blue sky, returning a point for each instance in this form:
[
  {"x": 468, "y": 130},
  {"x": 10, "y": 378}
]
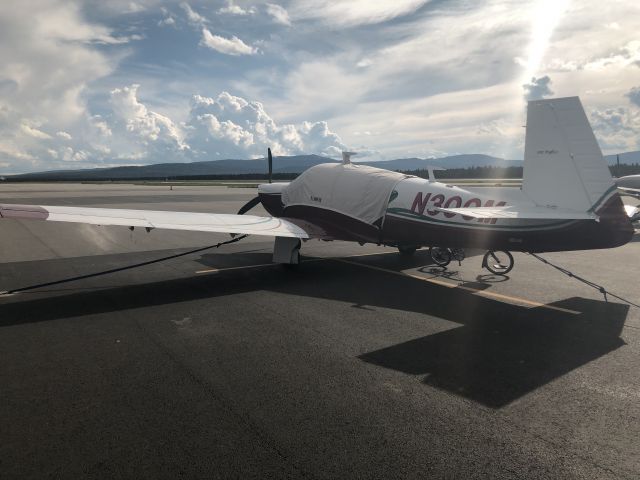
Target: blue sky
[{"x": 85, "y": 84}]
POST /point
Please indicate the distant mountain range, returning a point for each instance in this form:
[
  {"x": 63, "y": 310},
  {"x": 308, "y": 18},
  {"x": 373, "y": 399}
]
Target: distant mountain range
[{"x": 284, "y": 164}]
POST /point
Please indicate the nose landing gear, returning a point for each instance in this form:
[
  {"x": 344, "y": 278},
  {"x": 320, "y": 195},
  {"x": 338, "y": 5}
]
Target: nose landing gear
[{"x": 498, "y": 262}]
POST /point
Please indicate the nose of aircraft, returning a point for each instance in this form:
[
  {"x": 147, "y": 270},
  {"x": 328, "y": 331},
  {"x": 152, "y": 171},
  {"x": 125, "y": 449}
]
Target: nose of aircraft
[{"x": 272, "y": 188}]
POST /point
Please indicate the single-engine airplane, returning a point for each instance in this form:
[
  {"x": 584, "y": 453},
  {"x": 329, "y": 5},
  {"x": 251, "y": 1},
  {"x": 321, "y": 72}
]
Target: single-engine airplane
[{"x": 568, "y": 201}]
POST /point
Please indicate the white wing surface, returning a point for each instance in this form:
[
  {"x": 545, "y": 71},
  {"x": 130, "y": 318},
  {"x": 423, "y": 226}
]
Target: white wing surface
[
  {"x": 200, "y": 222},
  {"x": 514, "y": 212}
]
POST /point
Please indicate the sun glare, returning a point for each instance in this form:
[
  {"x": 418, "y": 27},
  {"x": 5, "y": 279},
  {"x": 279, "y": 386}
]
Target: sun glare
[{"x": 546, "y": 17}]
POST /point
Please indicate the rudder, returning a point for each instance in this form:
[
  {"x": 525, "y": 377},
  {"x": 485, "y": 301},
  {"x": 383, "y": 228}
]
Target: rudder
[{"x": 563, "y": 163}]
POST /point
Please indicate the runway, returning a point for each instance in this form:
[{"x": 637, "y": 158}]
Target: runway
[{"x": 360, "y": 363}]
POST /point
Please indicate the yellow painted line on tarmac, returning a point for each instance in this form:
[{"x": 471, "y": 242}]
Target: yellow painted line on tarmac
[
  {"x": 475, "y": 291},
  {"x": 215, "y": 270}
]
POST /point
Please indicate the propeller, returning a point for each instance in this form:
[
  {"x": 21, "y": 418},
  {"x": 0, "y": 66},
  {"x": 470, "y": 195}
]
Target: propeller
[
  {"x": 256, "y": 200},
  {"x": 249, "y": 205}
]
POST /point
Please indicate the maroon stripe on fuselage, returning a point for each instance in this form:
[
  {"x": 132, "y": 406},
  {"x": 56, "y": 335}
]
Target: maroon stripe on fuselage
[
  {"x": 337, "y": 225},
  {"x": 333, "y": 225},
  {"x": 613, "y": 230},
  {"x": 29, "y": 212}
]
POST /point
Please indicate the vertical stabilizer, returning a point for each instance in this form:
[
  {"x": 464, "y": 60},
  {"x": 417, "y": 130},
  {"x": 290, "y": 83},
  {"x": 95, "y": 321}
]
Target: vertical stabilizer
[{"x": 563, "y": 164}]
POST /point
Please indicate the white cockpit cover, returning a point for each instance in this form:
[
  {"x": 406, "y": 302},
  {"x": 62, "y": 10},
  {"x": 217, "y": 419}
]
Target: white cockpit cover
[{"x": 359, "y": 191}]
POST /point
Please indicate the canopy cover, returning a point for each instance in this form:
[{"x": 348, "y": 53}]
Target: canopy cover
[{"x": 359, "y": 191}]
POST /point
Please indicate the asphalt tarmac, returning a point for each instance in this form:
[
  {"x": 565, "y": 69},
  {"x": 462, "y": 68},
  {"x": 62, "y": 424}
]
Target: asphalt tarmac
[{"x": 361, "y": 363}]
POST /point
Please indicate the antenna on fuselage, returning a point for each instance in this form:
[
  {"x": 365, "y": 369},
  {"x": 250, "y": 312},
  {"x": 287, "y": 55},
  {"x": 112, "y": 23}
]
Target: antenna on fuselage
[
  {"x": 430, "y": 170},
  {"x": 346, "y": 157}
]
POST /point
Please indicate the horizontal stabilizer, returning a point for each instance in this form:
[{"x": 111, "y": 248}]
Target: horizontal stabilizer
[
  {"x": 632, "y": 192},
  {"x": 514, "y": 212},
  {"x": 199, "y": 222}
]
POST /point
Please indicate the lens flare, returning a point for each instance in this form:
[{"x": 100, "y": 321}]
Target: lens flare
[{"x": 546, "y": 17}]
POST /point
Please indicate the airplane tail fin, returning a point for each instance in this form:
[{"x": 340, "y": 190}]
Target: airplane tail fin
[{"x": 563, "y": 164}]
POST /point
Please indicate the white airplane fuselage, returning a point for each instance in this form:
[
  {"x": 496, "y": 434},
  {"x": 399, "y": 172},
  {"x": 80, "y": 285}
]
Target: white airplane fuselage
[{"x": 411, "y": 218}]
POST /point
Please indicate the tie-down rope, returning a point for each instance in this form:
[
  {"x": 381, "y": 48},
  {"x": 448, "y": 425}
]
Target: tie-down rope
[
  {"x": 600, "y": 288},
  {"x": 120, "y": 269}
]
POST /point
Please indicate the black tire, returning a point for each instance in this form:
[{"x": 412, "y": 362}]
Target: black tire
[
  {"x": 407, "y": 250},
  {"x": 441, "y": 256},
  {"x": 498, "y": 262}
]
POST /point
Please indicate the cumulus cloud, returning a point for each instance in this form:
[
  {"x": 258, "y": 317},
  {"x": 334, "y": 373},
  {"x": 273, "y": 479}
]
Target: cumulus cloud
[
  {"x": 63, "y": 135},
  {"x": 230, "y": 126},
  {"x": 226, "y": 126},
  {"x": 538, "y": 88},
  {"x": 233, "y": 9},
  {"x": 634, "y": 96},
  {"x": 167, "y": 21},
  {"x": 228, "y": 46},
  {"x": 49, "y": 57},
  {"x": 279, "y": 14},
  {"x": 146, "y": 133}
]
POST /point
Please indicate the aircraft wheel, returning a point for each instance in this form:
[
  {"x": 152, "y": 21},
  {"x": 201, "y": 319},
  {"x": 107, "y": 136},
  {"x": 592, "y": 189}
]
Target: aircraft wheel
[
  {"x": 407, "y": 250},
  {"x": 499, "y": 262},
  {"x": 441, "y": 256}
]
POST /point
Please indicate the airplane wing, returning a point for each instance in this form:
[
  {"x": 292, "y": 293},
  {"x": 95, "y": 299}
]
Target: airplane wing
[
  {"x": 200, "y": 222},
  {"x": 514, "y": 212}
]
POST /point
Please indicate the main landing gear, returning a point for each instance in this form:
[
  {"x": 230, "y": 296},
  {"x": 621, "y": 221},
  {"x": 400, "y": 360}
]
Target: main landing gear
[
  {"x": 498, "y": 262},
  {"x": 286, "y": 250},
  {"x": 442, "y": 256}
]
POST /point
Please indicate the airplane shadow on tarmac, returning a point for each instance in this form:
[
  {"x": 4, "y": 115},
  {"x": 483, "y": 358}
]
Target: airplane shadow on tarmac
[
  {"x": 502, "y": 352},
  {"x": 498, "y": 354}
]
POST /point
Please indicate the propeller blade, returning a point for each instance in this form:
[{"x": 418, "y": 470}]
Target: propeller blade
[
  {"x": 270, "y": 158},
  {"x": 249, "y": 205}
]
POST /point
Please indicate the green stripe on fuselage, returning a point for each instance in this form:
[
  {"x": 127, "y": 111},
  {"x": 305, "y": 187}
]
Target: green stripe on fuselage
[{"x": 403, "y": 212}]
